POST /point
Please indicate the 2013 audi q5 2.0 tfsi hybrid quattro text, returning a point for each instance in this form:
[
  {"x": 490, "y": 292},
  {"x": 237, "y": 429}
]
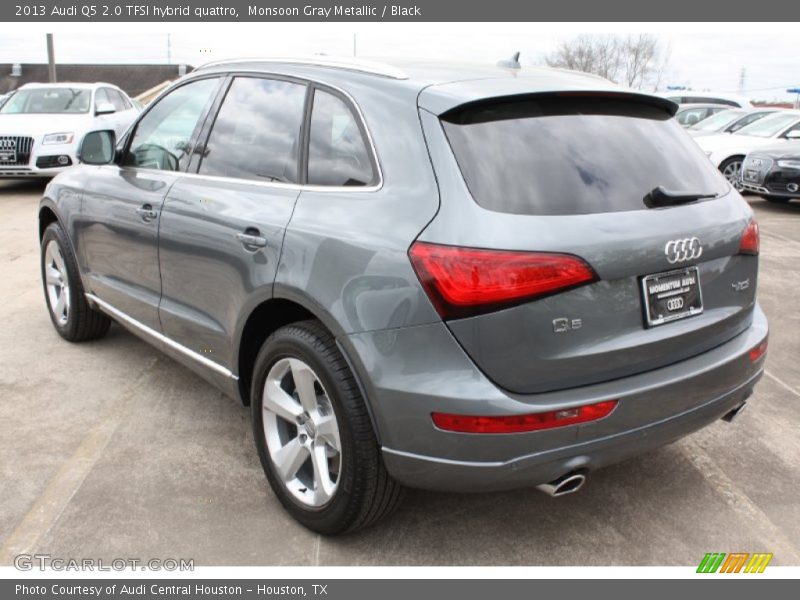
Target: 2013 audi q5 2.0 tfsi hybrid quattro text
[{"x": 446, "y": 277}]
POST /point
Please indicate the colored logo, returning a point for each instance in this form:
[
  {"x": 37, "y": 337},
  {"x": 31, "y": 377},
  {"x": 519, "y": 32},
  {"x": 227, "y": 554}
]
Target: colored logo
[{"x": 735, "y": 562}]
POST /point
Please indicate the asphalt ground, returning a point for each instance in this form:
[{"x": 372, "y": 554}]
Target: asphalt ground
[{"x": 112, "y": 450}]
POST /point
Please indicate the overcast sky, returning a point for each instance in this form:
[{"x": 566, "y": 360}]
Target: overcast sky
[{"x": 702, "y": 56}]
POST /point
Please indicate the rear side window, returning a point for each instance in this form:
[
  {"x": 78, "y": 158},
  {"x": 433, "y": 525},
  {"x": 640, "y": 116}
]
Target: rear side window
[
  {"x": 256, "y": 134},
  {"x": 552, "y": 155},
  {"x": 337, "y": 151}
]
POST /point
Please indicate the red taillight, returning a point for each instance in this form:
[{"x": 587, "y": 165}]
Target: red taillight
[
  {"x": 750, "y": 240},
  {"x": 758, "y": 351},
  {"x": 523, "y": 423},
  {"x": 467, "y": 281}
]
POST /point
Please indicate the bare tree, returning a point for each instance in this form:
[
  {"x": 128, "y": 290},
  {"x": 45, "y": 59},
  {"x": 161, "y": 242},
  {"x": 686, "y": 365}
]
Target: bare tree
[
  {"x": 635, "y": 60},
  {"x": 597, "y": 54}
]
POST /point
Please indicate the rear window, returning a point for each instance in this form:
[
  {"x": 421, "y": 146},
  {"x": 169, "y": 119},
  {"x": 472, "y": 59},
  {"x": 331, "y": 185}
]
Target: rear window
[{"x": 569, "y": 156}]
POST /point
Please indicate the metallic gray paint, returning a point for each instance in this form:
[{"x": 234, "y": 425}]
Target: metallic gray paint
[{"x": 342, "y": 255}]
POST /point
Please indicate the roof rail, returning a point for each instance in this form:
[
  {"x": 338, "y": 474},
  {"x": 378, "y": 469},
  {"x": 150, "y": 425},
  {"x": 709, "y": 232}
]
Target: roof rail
[{"x": 347, "y": 64}]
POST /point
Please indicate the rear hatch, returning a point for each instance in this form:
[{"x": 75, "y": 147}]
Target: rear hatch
[{"x": 608, "y": 181}]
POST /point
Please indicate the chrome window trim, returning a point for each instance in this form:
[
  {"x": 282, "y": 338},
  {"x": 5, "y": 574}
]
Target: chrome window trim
[
  {"x": 307, "y": 187},
  {"x": 280, "y": 184},
  {"x": 118, "y": 314}
]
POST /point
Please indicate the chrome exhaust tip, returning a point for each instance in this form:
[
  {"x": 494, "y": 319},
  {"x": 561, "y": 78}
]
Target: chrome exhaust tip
[{"x": 566, "y": 484}]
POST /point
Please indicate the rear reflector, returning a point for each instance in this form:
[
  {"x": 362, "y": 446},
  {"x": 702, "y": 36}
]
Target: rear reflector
[
  {"x": 750, "y": 240},
  {"x": 467, "y": 281},
  {"x": 758, "y": 351},
  {"x": 523, "y": 423}
]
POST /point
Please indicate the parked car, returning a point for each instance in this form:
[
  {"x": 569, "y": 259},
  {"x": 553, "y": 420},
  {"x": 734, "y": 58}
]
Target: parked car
[
  {"x": 692, "y": 97},
  {"x": 449, "y": 277},
  {"x": 5, "y": 98},
  {"x": 728, "y": 151},
  {"x": 690, "y": 115},
  {"x": 729, "y": 121},
  {"x": 773, "y": 172},
  {"x": 41, "y": 125}
]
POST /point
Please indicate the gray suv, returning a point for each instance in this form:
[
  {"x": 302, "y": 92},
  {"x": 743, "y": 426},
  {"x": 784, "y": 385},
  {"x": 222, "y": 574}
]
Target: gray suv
[{"x": 443, "y": 277}]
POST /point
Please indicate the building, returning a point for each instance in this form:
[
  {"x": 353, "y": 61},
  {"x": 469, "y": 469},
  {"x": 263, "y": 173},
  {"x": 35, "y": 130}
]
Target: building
[{"x": 136, "y": 80}]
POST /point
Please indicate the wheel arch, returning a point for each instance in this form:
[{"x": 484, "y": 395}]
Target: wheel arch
[
  {"x": 283, "y": 307},
  {"x": 47, "y": 214}
]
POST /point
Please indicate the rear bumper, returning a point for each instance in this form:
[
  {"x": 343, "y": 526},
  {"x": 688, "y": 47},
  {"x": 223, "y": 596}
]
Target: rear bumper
[
  {"x": 413, "y": 372},
  {"x": 540, "y": 467}
]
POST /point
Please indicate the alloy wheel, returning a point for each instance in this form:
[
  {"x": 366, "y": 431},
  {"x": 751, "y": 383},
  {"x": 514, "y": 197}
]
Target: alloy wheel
[
  {"x": 301, "y": 432},
  {"x": 57, "y": 282},
  {"x": 732, "y": 173}
]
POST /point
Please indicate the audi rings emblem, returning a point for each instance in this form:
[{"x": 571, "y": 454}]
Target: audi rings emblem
[
  {"x": 8, "y": 144},
  {"x": 674, "y": 304},
  {"x": 680, "y": 251}
]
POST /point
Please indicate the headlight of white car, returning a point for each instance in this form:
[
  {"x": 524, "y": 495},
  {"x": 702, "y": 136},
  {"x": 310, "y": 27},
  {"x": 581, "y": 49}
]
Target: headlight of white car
[
  {"x": 58, "y": 138},
  {"x": 789, "y": 163}
]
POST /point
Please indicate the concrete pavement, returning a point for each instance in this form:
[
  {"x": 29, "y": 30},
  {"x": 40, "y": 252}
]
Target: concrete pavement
[{"x": 112, "y": 450}]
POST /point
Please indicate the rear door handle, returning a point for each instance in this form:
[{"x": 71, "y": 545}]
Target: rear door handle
[
  {"x": 146, "y": 212},
  {"x": 252, "y": 238}
]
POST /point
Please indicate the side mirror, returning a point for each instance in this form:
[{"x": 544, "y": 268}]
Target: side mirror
[
  {"x": 104, "y": 108},
  {"x": 793, "y": 135},
  {"x": 97, "y": 148}
]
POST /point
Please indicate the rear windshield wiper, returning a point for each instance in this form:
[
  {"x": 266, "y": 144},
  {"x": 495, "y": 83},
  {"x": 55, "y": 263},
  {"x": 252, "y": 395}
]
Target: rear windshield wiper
[{"x": 659, "y": 197}]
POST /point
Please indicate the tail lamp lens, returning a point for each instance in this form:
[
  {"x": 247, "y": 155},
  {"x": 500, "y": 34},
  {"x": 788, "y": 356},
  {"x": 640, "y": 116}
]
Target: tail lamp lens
[
  {"x": 750, "y": 240},
  {"x": 758, "y": 351},
  {"x": 466, "y": 281},
  {"x": 523, "y": 423}
]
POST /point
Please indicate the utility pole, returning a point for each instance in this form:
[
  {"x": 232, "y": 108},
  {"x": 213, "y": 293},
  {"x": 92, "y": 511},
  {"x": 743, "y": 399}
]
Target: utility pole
[
  {"x": 742, "y": 78},
  {"x": 354, "y": 44},
  {"x": 169, "y": 48},
  {"x": 51, "y": 59}
]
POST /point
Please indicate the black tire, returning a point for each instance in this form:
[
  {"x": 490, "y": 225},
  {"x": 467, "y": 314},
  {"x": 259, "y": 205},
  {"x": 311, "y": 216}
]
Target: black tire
[
  {"x": 82, "y": 321},
  {"x": 777, "y": 199},
  {"x": 365, "y": 493}
]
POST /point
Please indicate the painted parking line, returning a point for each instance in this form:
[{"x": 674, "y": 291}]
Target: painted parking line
[
  {"x": 51, "y": 503},
  {"x": 740, "y": 503},
  {"x": 782, "y": 383}
]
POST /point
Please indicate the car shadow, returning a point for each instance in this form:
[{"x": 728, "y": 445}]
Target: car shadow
[{"x": 22, "y": 186}]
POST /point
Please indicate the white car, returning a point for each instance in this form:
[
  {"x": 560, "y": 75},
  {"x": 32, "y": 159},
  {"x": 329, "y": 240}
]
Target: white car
[
  {"x": 692, "y": 97},
  {"x": 727, "y": 150},
  {"x": 729, "y": 121},
  {"x": 42, "y": 125}
]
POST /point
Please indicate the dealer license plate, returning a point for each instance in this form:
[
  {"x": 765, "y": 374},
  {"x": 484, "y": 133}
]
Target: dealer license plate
[{"x": 671, "y": 296}]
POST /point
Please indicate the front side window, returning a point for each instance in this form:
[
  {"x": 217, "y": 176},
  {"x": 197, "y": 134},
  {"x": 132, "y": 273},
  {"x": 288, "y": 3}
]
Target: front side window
[
  {"x": 256, "y": 134},
  {"x": 718, "y": 121},
  {"x": 337, "y": 151},
  {"x": 56, "y": 100},
  {"x": 551, "y": 155},
  {"x": 100, "y": 97},
  {"x": 116, "y": 99},
  {"x": 162, "y": 137}
]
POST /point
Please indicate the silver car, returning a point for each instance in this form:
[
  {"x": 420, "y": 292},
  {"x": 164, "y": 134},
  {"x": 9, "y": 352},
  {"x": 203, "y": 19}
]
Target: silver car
[{"x": 433, "y": 276}]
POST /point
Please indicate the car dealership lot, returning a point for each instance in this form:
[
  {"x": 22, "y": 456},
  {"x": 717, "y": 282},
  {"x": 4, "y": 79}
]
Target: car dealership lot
[{"x": 112, "y": 450}]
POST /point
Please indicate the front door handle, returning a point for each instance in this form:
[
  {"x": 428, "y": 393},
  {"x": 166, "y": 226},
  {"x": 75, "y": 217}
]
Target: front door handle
[
  {"x": 252, "y": 238},
  {"x": 146, "y": 212}
]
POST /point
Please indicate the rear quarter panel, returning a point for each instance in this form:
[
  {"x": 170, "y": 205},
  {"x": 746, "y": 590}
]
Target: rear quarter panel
[{"x": 346, "y": 252}]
